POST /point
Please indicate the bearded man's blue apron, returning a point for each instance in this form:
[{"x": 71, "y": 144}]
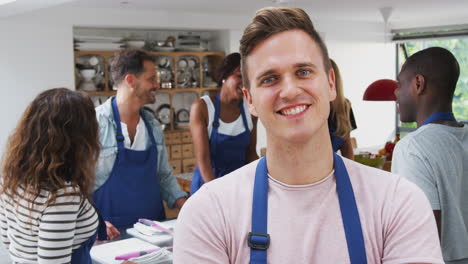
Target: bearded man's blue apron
[{"x": 132, "y": 190}]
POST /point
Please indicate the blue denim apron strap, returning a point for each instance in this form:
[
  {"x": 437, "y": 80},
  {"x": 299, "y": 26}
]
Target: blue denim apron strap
[
  {"x": 214, "y": 130},
  {"x": 259, "y": 239},
  {"x": 439, "y": 116},
  {"x": 82, "y": 254},
  {"x": 136, "y": 173},
  {"x": 349, "y": 213},
  {"x": 337, "y": 142},
  {"x": 118, "y": 132}
]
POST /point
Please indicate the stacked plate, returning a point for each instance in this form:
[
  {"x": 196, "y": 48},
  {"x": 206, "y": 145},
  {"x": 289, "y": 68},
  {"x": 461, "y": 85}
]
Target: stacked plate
[
  {"x": 98, "y": 43},
  {"x": 135, "y": 44}
]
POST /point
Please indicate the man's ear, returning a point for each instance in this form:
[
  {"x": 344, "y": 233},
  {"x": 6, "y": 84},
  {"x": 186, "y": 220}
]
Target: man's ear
[
  {"x": 248, "y": 99},
  {"x": 420, "y": 84},
  {"x": 331, "y": 83},
  {"x": 130, "y": 80}
]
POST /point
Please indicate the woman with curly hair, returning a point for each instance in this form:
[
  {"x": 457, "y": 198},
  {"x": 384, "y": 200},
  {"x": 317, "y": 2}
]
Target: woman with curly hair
[{"x": 46, "y": 215}]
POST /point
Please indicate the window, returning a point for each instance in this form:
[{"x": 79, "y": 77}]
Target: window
[{"x": 458, "y": 45}]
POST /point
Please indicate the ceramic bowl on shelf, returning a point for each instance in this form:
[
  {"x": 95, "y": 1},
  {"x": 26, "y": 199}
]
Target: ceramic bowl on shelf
[{"x": 88, "y": 74}]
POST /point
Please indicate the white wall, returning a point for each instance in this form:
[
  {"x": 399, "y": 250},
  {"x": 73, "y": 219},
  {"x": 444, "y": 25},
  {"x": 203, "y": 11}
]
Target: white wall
[
  {"x": 36, "y": 53},
  {"x": 33, "y": 57}
]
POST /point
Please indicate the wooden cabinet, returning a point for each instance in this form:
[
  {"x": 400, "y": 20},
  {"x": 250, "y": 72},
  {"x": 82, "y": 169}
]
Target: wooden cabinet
[{"x": 184, "y": 77}]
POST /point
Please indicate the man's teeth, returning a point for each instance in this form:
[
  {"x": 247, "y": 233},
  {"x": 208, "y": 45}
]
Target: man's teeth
[{"x": 294, "y": 110}]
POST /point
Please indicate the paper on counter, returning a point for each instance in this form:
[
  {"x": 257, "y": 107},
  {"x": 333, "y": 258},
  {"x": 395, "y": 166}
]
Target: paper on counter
[
  {"x": 106, "y": 253},
  {"x": 162, "y": 256}
]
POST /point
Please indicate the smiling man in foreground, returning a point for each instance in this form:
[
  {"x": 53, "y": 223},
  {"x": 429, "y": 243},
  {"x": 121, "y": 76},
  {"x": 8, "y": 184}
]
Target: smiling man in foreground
[{"x": 302, "y": 203}]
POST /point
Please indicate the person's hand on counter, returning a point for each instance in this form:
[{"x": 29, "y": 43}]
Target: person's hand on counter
[
  {"x": 112, "y": 231},
  {"x": 180, "y": 202}
]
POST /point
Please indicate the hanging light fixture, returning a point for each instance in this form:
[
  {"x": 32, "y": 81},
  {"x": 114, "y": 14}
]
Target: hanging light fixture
[{"x": 381, "y": 90}]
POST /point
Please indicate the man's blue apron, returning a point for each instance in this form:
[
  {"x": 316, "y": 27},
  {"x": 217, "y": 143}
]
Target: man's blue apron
[
  {"x": 259, "y": 240},
  {"x": 81, "y": 255},
  {"x": 439, "y": 116},
  {"x": 132, "y": 190},
  {"x": 227, "y": 153}
]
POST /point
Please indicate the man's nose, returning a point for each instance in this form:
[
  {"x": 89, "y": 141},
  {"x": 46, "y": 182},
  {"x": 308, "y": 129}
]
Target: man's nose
[{"x": 289, "y": 88}]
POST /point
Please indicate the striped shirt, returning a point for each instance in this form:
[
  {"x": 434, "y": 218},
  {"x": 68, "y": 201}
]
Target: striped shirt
[{"x": 46, "y": 234}]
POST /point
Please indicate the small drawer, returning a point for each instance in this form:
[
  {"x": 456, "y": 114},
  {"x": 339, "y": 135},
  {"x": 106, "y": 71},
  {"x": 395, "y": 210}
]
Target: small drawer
[
  {"x": 176, "y": 166},
  {"x": 186, "y": 137},
  {"x": 176, "y": 151},
  {"x": 177, "y": 138},
  {"x": 187, "y": 151},
  {"x": 188, "y": 165},
  {"x": 168, "y": 138}
]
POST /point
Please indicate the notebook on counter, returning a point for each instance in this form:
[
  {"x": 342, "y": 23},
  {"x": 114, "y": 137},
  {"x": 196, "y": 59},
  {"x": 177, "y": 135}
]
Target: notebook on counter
[
  {"x": 160, "y": 239},
  {"x": 106, "y": 253}
]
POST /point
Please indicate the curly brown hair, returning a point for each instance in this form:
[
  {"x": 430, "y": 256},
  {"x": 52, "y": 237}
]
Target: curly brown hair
[{"x": 55, "y": 144}]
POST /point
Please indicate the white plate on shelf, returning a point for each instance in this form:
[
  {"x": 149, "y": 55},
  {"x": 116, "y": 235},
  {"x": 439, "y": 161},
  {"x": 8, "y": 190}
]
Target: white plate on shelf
[
  {"x": 168, "y": 49},
  {"x": 191, "y": 49},
  {"x": 83, "y": 38},
  {"x": 98, "y": 46},
  {"x": 135, "y": 44}
]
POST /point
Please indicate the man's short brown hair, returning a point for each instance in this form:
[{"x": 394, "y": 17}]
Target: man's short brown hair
[
  {"x": 273, "y": 20},
  {"x": 130, "y": 61}
]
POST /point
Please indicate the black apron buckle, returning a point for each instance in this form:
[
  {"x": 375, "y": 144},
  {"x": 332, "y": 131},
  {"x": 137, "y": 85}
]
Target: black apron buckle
[{"x": 258, "y": 241}]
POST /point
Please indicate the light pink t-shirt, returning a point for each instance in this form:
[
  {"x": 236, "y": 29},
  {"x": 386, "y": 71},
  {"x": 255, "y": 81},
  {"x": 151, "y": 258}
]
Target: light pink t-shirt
[{"x": 304, "y": 221}]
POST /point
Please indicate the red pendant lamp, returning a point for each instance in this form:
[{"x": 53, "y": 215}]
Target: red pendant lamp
[{"x": 381, "y": 90}]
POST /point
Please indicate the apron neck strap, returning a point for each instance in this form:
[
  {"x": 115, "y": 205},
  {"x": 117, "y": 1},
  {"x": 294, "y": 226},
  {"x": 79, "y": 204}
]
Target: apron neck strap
[
  {"x": 119, "y": 136},
  {"x": 439, "y": 116}
]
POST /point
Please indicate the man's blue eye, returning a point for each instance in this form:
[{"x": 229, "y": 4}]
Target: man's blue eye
[
  {"x": 303, "y": 72},
  {"x": 268, "y": 80}
]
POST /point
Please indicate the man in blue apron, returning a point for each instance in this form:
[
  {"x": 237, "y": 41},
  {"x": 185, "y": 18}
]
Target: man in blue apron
[
  {"x": 301, "y": 203},
  {"x": 133, "y": 176},
  {"x": 435, "y": 156}
]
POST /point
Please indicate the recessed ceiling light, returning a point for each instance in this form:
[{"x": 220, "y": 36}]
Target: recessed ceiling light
[
  {"x": 124, "y": 2},
  {"x": 4, "y": 2}
]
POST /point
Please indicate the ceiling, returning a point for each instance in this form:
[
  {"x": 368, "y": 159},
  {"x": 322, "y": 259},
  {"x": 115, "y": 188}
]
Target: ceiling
[{"x": 404, "y": 11}]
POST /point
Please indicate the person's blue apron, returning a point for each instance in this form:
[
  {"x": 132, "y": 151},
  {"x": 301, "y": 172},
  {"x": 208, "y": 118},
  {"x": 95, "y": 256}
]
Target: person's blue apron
[
  {"x": 227, "y": 153},
  {"x": 259, "y": 240},
  {"x": 336, "y": 141},
  {"x": 132, "y": 190},
  {"x": 81, "y": 255},
  {"x": 439, "y": 116}
]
